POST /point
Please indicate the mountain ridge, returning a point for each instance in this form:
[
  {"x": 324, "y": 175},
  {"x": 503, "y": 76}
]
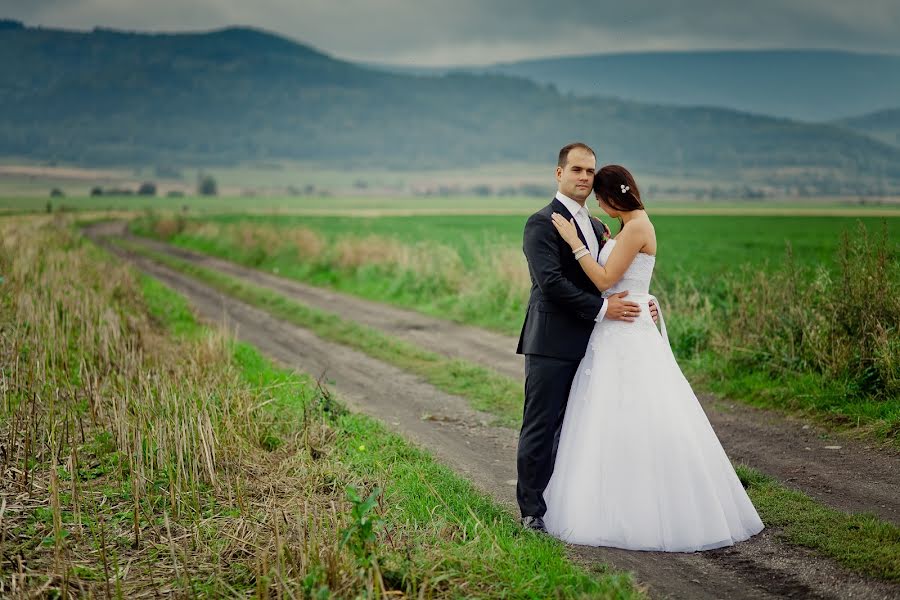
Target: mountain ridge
[
  {"x": 793, "y": 83},
  {"x": 242, "y": 94},
  {"x": 883, "y": 125}
]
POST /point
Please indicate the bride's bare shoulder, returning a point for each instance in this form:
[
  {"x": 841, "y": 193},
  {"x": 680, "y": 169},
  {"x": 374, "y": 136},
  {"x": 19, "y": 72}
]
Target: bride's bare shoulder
[
  {"x": 641, "y": 227},
  {"x": 643, "y": 230}
]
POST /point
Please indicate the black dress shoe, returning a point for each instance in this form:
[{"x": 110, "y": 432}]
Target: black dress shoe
[{"x": 535, "y": 524}]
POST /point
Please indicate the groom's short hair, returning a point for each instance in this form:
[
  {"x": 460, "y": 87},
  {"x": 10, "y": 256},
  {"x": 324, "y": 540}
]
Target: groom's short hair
[{"x": 564, "y": 152}]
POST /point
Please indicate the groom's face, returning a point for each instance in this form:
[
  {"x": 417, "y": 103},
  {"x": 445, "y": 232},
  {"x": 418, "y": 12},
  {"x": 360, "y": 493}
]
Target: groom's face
[{"x": 576, "y": 179}]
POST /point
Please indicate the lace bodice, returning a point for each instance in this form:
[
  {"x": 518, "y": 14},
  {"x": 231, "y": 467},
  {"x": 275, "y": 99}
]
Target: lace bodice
[{"x": 636, "y": 278}]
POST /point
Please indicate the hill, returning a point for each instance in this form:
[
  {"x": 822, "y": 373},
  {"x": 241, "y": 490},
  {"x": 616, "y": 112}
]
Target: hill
[
  {"x": 883, "y": 125},
  {"x": 809, "y": 85},
  {"x": 108, "y": 97}
]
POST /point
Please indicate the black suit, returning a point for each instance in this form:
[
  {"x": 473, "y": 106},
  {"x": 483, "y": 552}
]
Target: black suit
[{"x": 561, "y": 314}]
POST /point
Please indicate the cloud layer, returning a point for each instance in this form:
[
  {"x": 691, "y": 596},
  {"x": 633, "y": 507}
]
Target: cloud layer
[{"x": 432, "y": 32}]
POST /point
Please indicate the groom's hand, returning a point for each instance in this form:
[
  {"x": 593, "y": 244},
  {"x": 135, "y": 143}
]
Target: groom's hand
[
  {"x": 654, "y": 311},
  {"x": 618, "y": 309}
]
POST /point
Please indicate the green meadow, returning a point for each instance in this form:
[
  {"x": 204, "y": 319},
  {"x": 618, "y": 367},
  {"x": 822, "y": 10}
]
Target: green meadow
[
  {"x": 156, "y": 456},
  {"x": 33, "y": 196},
  {"x": 700, "y": 247},
  {"x": 762, "y": 308}
]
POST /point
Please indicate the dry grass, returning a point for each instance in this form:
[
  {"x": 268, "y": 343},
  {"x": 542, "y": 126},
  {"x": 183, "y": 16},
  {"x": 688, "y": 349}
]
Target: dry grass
[
  {"x": 497, "y": 284},
  {"x": 503, "y": 269},
  {"x": 135, "y": 465},
  {"x": 167, "y": 227},
  {"x": 353, "y": 252},
  {"x": 308, "y": 243}
]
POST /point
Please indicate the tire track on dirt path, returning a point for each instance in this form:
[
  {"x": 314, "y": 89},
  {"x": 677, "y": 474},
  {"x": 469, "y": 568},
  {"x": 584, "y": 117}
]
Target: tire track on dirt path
[
  {"x": 853, "y": 478},
  {"x": 458, "y": 436}
]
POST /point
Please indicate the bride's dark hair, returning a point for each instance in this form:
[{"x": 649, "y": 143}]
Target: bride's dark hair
[{"x": 615, "y": 185}]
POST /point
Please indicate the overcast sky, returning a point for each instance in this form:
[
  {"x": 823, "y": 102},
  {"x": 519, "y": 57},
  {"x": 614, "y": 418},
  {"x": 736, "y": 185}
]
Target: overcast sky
[{"x": 454, "y": 32}]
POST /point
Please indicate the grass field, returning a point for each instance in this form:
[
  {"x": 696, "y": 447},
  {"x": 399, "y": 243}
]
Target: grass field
[
  {"x": 703, "y": 246},
  {"x": 861, "y": 542},
  {"x": 471, "y": 269},
  {"x": 147, "y": 454},
  {"x": 712, "y": 273},
  {"x": 132, "y": 431},
  {"x": 373, "y": 205},
  {"x": 304, "y": 204}
]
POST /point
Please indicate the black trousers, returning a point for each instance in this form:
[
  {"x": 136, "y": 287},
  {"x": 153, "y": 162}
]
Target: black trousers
[{"x": 547, "y": 384}]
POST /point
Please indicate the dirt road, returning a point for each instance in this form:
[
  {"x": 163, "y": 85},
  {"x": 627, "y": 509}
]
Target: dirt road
[
  {"x": 459, "y": 436},
  {"x": 851, "y": 478}
]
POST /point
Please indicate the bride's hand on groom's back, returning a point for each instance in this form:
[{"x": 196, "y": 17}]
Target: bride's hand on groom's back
[{"x": 654, "y": 311}]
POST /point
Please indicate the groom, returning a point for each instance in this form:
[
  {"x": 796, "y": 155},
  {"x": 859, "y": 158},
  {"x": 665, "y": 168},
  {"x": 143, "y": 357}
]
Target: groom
[{"x": 562, "y": 310}]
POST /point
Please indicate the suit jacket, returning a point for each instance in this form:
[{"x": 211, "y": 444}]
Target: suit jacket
[{"x": 564, "y": 303}]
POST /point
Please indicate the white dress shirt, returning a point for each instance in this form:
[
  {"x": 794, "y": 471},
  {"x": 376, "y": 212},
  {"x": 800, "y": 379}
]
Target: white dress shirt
[{"x": 583, "y": 219}]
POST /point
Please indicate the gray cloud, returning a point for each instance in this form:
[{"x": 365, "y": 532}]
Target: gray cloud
[{"x": 473, "y": 31}]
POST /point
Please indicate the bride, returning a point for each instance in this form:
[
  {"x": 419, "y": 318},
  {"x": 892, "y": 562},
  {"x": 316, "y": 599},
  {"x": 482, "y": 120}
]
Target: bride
[{"x": 638, "y": 466}]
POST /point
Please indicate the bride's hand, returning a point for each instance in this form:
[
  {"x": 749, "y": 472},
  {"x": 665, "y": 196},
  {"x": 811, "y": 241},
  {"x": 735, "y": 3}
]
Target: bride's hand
[{"x": 567, "y": 230}]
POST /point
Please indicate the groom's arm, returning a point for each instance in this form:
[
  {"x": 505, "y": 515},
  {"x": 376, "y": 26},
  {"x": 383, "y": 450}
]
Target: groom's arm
[{"x": 541, "y": 245}]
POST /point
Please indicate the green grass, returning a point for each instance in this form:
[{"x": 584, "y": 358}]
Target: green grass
[
  {"x": 700, "y": 257},
  {"x": 486, "y": 390},
  {"x": 271, "y": 204},
  {"x": 423, "y": 501},
  {"x": 31, "y": 197},
  {"x": 159, "y": 453},
  {"x": 862, "y": 543},
  {"x": 699, "y": 248},
  {"x": 818, "y": 398}
]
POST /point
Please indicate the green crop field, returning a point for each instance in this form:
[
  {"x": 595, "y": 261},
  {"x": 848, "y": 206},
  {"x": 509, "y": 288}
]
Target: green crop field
[
  {"x": 372, "y": 205},
  {"x": 701, "y": 248},
  {"x": 350, "y": 205}
]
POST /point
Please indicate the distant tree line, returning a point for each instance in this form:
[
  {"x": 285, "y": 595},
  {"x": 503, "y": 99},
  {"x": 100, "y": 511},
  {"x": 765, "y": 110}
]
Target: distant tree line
[{"x": 206, "y": 186}]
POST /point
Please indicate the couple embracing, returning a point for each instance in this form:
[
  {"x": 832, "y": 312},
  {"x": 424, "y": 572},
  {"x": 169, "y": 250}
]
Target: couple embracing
[{"x": 614, "y": 450}]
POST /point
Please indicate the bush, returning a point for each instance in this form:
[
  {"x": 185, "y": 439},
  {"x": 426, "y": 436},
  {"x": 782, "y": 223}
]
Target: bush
[
  {"x": 148, "y": 188},
  {"x": 207, "y": 186},
  {"x": 842, "y": 325}
]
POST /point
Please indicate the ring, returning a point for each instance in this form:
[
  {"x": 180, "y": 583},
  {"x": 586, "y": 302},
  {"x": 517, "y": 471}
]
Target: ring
[{"x": 626, "y": 313}]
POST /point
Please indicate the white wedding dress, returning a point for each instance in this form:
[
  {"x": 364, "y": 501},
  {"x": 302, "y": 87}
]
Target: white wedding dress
[{"x": 639, "y": 466}]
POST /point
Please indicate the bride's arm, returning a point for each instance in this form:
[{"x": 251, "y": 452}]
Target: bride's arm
[{"x": 626, "y": 248}]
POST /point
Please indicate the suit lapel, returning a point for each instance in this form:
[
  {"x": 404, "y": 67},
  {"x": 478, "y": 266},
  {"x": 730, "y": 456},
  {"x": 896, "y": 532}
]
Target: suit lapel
[
  {"x": 561, "y": 208},
  {"x": 599, "y": 232}
]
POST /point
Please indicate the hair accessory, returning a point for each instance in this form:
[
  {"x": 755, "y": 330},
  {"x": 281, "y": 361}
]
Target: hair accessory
[{"x": 625, "y": 188}]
